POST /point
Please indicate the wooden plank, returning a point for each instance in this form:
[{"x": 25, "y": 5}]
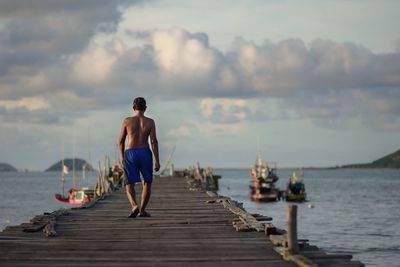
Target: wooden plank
[
  {"x": 93, "y": 262},
  {"x": 279, "y": 240}
]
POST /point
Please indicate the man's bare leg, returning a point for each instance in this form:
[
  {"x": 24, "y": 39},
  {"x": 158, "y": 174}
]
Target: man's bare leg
[
  {"x": 130, "y": 192},
  {"x": 146, "y": 192}
]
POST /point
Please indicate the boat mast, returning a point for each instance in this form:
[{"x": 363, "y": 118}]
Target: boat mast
[
  {"x": 89, "y": 162},
  {"x": 89, "y": 147},
  {"x": 73, "y": 162},
  {"x": 258, "y": 159},
  {"x": 83, "y": 171},
  {"x": 62, "y": 166}
]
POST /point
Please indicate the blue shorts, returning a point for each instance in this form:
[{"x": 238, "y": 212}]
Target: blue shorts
[{"x": 138, "y": 161}]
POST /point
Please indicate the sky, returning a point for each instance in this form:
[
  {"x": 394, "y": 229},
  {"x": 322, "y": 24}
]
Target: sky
[{"x": 308, "y": 83}]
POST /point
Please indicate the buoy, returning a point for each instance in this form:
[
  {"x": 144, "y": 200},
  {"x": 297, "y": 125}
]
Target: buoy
[{"x": 310, "y": 206}]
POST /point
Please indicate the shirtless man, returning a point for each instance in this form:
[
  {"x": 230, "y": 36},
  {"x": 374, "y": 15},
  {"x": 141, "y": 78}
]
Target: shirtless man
[{"x": 136, "y": 155}]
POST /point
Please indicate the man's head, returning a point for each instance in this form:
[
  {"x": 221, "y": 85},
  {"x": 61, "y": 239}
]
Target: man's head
[{"x": 139, "y": 104}]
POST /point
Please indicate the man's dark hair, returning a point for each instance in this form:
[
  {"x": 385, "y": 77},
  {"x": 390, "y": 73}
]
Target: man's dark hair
[{"x": 139, "y": 104}]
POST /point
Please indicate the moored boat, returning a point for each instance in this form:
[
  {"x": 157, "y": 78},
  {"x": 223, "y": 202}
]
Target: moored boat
[
  {"x": 295, "y": 191},
  {"x": 75, "y": 198},
  {"x": 263, "y": 194},
  {"x": 296, "y": 197},
  {"x": 264, "y": 178}
]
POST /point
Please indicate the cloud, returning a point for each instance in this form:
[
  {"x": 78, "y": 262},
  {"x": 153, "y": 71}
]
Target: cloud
[
  {"x": 28, "y": 110},
  {"x": 174, "y": 61},
  {"x": 38, "y": 40},
  {"x": 377, "y": 110},
  {"x": 36, "y": 36},
  {"x": 95, "y": 65},
  {"x": 230, "y": 110},
  {"x": 181, "y": 131},
  {"x": 30, "y": 104},
  {"x": 43, "y": 30},
  {"x": 72, "y": 55}
]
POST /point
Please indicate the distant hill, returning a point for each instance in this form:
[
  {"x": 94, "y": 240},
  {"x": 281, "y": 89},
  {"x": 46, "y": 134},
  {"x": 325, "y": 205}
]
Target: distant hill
[
  {"x": 389, "y": 161},
  {"x": 68, "y": 162},
  {"x": 5, "y": 167}
]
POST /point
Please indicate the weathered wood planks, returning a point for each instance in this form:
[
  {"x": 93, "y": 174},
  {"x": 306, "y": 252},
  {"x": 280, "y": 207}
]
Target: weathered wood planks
[{"x": 184, "y": 230}]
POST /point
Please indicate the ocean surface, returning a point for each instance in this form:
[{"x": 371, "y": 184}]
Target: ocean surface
[
  {"x": 26, "y": 194},
  {"x": 356, "y": 211}
]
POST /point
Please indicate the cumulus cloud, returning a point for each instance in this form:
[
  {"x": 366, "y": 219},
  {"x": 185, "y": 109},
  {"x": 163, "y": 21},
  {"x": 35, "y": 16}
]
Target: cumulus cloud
[
  {"x": 38, "y": 40},
  {"x": 230, "y": 110},
  {"x": 183, "y": 63},
  {"x": 40, "y": 32},
  {"x": 31, "y": 104},
  {"x": 379, "y": 111},
  {"x": 94, "y": 66},
  {"x": 53, "y": 50},
  {"x": 181, "y": 131}
]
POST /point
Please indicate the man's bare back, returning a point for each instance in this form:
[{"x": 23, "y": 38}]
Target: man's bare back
[{"x": 137, "y": 130}]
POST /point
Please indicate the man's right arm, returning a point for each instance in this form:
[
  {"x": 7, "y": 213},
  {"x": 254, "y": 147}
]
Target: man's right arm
[{"x": 121, "y": 141}]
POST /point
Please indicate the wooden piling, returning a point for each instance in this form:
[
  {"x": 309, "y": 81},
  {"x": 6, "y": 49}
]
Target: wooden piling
[{"x": 291, "y": 216}]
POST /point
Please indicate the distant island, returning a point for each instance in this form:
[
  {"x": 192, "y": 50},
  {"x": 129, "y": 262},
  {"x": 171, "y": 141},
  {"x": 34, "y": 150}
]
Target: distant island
[
  {"x": 79, "y": 163},
  {"x": 5, "y": 167},
  {"x": 389, "y": 161}
]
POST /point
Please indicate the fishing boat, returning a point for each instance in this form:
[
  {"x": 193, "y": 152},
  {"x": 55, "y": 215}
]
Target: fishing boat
[
  {"x": 295, "y": 191},
  {"x": 266, "y": 193},
  {"x": 264, "y": 177},
  {"x": 296, "y": 197},
  {"x": 75, "y": 198}
]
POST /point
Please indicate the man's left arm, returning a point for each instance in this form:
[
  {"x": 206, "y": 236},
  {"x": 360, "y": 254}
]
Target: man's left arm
[{"x": 154, "y": 147}]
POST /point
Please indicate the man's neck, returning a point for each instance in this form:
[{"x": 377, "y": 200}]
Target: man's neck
[{"x": 139, "y": 113}]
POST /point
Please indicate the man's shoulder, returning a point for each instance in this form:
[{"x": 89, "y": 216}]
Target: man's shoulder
[
  {"x": 150, "y": 120},
  {"x": 127, "y": 119}
]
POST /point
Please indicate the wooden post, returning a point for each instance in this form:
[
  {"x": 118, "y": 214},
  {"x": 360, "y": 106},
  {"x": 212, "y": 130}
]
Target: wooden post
[
  {"x": 291, "y": 216},
  {"x": 105, "y": 178},
  {"x": 99, "y": 189}
]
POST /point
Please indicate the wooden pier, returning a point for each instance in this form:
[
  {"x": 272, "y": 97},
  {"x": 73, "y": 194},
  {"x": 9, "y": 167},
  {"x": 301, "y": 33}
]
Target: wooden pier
[{"x": 188, "y": 227}]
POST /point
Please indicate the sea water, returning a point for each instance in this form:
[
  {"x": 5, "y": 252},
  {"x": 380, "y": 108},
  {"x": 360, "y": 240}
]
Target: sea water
[
  {"x": 26, "y": 194},
  {"x": 355, "y": 211}
]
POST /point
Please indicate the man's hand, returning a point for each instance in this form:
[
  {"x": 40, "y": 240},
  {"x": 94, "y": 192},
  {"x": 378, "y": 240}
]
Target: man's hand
[{"x": 157, "y": 167}]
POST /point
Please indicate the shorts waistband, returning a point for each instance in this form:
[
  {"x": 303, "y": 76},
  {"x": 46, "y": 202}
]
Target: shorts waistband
[{"x": 137, "y": 148}]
